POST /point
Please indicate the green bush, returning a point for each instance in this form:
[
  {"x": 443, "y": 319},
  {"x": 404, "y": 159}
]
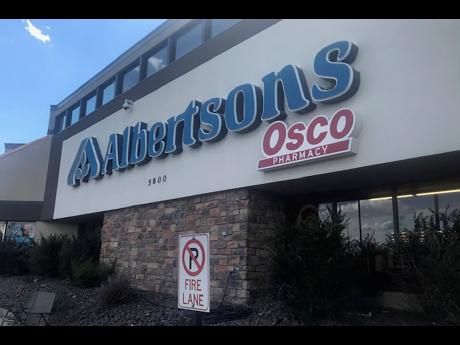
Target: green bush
[
  {"x": 14, "y": 258},
  {"x": 66, "y": 255},
  {"x": 84, "y": 248},
  {"x": 363, "y": 276},
  {"x": 90, "y": 273},
  {"x": 116, "y": 290},
  {"x": 45, "y": 255},
  {"x": 311, "y": 265},
  {"x": 429, "y": 265}
]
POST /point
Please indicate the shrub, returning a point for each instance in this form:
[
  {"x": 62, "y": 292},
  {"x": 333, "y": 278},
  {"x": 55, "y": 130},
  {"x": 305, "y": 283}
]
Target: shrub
[
  {"x": 90, "y": 273},
  {"x": 44, "y": 256},
  {"x": 87, "y": 246},
  {"x": 310, "y": 263},
  {"x": 66, "y": 254},
  {"x": 106, "y": 270},
  {"x": 364, "y": 277},
  {"x": 429, "y": 261},
  {"x": 14, "y": 257},
  {"x": 84, "y": 248},
  {"x": 116, "y": 290}
]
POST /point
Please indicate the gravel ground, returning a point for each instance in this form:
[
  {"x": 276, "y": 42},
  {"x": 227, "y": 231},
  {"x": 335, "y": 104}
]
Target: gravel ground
[{"x": 81, "y": 307}]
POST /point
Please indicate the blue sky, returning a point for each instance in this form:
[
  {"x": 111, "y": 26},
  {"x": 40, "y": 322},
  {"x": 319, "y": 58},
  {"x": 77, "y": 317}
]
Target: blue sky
[{"x": 43, "y": 61}]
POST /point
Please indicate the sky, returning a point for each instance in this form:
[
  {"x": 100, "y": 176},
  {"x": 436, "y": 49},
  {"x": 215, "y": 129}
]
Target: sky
[{"x": 43, "y": 61}]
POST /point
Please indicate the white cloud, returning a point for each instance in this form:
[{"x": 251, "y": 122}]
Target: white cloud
[
  {"x": 156, "y": 63},
  {"x": 36, "y": 32}
]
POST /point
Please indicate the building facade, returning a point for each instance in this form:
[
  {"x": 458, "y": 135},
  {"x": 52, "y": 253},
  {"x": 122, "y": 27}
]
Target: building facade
[{"x": 234, "y": 127}]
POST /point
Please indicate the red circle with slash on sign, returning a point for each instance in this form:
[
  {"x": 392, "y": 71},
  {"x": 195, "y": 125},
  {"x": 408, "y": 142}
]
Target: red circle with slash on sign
[{"x": 188, "y": 249}]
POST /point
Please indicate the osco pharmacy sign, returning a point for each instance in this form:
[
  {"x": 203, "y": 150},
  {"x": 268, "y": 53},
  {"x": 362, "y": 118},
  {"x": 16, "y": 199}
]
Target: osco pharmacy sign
[{"x": 244, "y": 109}]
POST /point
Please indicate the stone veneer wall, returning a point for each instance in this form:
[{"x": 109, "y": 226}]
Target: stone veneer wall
[
  {"x": 143, "y": 240},
  {"x": 266, "y": 213}
]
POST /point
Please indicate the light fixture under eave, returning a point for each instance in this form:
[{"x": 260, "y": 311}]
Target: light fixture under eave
[
  {"x": 405, "y": 196},
  {"x": 382, "y": 198},
  {"x": 439, "y": 192}
]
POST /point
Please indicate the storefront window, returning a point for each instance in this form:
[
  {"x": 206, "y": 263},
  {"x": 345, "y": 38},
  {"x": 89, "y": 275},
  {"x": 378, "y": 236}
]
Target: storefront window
[
  {"x": 410, "y": 207},
  {"x": 449, "y": 202},
  {"x": 377, "y": 219},
  {"x": 2, "y": 230},
  {"x": 350, "y": 211},
  {"x": 376, "y": 215},
  {"x": 323, "y": 210},
  {"x": 20, "y": 232}
]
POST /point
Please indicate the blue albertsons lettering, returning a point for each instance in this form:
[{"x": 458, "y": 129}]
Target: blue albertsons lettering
[
  {"x": 244, "y": 109},
  {"x": 289, "y": 84},
  {"x": 87, "y": 163},
  {"x": 112, "y": 157},
  {"x": 212, "y": 121},
  {"x": 333, "y": 63},
  {"x": 125, "y": 149}
]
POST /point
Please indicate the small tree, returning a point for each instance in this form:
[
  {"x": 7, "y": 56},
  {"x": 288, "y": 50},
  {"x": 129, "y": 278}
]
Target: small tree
[
  {"x": 44, "y": 255},
  {"x": 311, "y": 263},
  {"x": 430, "y": 264},
  {"x": 364, "y": 275},
  {"x": 14, "y": 257}
]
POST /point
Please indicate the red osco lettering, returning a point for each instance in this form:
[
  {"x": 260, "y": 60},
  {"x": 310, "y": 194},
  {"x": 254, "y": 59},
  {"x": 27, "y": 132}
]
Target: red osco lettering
[
  {"x": 280, "y": 127},
  {"x": 293, "y": 133},
  {"x": 317, "y": 121},
  {"x": 347, "y": 114}
]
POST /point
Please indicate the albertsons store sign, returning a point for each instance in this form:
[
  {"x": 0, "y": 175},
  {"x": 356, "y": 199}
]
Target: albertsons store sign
[{"x": 244, "y": 109}]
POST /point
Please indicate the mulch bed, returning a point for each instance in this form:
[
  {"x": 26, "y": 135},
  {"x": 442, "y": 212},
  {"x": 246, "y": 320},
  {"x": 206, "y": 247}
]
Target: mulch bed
[{"x": 76, "y": 306}]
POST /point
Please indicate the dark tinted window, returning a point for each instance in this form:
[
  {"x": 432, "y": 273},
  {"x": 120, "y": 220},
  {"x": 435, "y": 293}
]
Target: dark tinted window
[
  {"x": 90, "y": 105},
  {"x": 157, "y": 61},
  {"x": 189, "y": 40},
  {"x": 377, "y": 219},
  {"x": 448, "y": 202},
  {"x": 350, "y": 211},
  {"x": 323, "y": 210},
  {"x": 130, "y": 78},
  {"x": 220, "y": 25},
  {"x": 410, "y": 207},
  {"x": 60, "y": 122}
]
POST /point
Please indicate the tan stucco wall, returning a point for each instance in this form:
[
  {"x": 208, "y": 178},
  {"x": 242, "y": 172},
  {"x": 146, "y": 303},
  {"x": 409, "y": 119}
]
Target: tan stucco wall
[{"x": 23, "y": 171}]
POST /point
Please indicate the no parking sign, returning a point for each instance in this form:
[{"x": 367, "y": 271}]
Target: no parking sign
[{"x": 193, "y": 292}]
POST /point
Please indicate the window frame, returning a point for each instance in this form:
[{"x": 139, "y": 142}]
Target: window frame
[
  {"x": 211, "y": 21},
  {"x": 85, "y": 102},
  {"x": 70, "y": 111},
  {"x": 169, "y": 44},
  {"x": 126, "y": 70},
  {"x": 61, "y": 120},
  {"x": 190, "y": 26},
  {"x": 111, "y": 80},
  {"x": 152, "y": 52}
]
